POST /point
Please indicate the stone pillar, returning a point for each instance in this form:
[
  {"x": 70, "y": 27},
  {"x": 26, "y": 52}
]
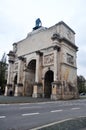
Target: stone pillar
[
  {"x": 19, "y": 87},
  {"x": 55, "y": 63},
  {"x": 37, "y": 67},
  {"x": 37, "y": 88},
  {"x": 24, "y": 78},
  {"x": 9, "y": 86},
  {"x": 55, "y": 84}
]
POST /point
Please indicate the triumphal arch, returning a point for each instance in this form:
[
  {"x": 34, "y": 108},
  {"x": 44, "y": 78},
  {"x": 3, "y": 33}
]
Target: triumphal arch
[{"x": 44, "y": 64}]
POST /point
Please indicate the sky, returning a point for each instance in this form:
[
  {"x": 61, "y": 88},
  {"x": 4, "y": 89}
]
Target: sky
[{"x": 17, "y": 18}]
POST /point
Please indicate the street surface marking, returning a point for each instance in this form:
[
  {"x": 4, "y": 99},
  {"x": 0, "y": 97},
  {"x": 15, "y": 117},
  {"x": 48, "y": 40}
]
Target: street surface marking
[
  {"x": 50, "y": 124},
  {"x": 5, "y": 104},
  {"x": 30, "y": 114},
  {"x": 1, "y": 117},
  {"x": 56, "y": 110},
  {"x": 30, "y": 107},
  {"x": 76, "y": 108}
]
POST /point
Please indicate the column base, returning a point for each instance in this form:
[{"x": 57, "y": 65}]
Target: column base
[
  {"x": 6, "y": 91},
  {"x": 37, "y": 90},
  {"x": 36, "y": 95},
  {"x": 18, "y": 90},
  {"x": 55, "y": 97}
]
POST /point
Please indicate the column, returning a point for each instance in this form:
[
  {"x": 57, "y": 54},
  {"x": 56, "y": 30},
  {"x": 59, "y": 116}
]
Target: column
[
  {"x": 19, "y": 71},
  {"x": 18, "y": 80},
  {"x": 56, "y": 83},
  {"x": 9, "y": 86},
  {"x": 19, "y": 87},
  {"x": 55, "y": 63},
  {"x": 37, "y": 88},
  {"x": 9, "y": 79},
  {"x": 24, "y": 78},
  {"x": 37, "y": 67}
]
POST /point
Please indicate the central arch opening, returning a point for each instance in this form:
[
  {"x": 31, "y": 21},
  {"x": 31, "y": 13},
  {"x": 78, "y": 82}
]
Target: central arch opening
[
  {"x": 48, "y": 83},
  {"x": 15, "y": 83},
  {"x": 30, "y": 77}
]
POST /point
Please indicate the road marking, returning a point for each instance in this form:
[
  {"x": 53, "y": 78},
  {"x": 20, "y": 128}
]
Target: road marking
[
  {"x": 76, "y": 108},
  {"x": 5, "y": 104},
  {"x": 30, "y": 107},
  {"x": 50, "y": 124},
  {"x": 1, "y": 117},
  {"x": 30, "y": 114},
  {"x": 56, "y": 110}
]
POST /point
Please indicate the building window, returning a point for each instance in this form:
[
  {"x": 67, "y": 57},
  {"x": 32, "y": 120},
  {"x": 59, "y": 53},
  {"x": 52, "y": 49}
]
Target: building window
[{"x": 70, "y": 59}]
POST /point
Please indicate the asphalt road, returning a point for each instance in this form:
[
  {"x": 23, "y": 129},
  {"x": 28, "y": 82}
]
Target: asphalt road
[{"x": 30, "y": 116}]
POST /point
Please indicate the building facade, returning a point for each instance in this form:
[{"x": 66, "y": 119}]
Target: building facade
[{"x": 44, "y": 64}]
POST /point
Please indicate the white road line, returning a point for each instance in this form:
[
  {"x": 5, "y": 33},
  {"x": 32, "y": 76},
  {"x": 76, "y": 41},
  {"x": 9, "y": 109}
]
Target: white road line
[
  {"x": 76, "y": 108},
  {"x": 1, "y": 117},
  {"x": 30, "y": 114},
  {"x": 48, "y": 125},
  {"x": 56, "y": 110},
  {"x": 5, "y": 104},
  {"x": 30, "y": 107}
]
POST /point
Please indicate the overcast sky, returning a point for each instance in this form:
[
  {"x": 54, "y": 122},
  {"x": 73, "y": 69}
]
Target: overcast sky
[{"x": 17, "y": 18}]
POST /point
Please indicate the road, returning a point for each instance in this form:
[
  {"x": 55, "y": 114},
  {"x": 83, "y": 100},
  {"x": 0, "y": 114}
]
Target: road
[{"x": 30, "y": 116}]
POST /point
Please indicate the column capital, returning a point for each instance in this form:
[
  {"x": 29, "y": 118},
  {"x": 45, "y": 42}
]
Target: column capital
[
  {"x": 11, "y": 57},
  {"x": 11, "y": 61},
  {"x": 11, "y": 53},
  {"x": 22, "y": 58},
  {"x": 39, "y": 53},
  {"x": 56, "y": 36},
  {"x": 56, "y": 48}
]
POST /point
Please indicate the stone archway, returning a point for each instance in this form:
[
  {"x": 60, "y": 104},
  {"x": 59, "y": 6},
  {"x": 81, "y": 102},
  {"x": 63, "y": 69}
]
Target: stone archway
[
  {"x": 48, "y": 79},
  {"x": 15, "y": 83},
  {"x": 30, "y": 77}
]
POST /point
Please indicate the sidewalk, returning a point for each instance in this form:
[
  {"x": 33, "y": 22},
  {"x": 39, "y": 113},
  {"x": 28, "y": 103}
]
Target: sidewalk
[{"x": 20, "y": 99}]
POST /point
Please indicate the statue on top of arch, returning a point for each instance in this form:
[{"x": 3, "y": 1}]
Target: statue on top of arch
[{"x": 38, "y": 24}]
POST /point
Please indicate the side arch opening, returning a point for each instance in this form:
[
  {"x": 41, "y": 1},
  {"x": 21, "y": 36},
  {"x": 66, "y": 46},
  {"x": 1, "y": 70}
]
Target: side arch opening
[{"x": 48, "y": 83}]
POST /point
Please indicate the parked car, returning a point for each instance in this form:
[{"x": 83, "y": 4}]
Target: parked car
[{"x": 82, "y": 94}]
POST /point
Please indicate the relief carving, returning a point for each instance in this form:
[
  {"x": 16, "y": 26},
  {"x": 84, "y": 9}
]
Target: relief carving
[{"x": 49, "y": 59}]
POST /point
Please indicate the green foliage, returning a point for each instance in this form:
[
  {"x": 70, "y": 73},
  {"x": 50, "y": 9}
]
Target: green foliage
[
  {"x": 3, "y": 68},
  {"x": 81, "y": 84}
]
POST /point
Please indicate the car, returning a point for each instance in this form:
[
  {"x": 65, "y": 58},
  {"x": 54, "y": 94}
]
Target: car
[{"x": 82, "y": 94}]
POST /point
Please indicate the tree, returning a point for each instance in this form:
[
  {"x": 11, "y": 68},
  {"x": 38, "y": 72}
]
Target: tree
[
  {"x": 3, "y": 68},
  {"x": 81, "y": 83}
]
